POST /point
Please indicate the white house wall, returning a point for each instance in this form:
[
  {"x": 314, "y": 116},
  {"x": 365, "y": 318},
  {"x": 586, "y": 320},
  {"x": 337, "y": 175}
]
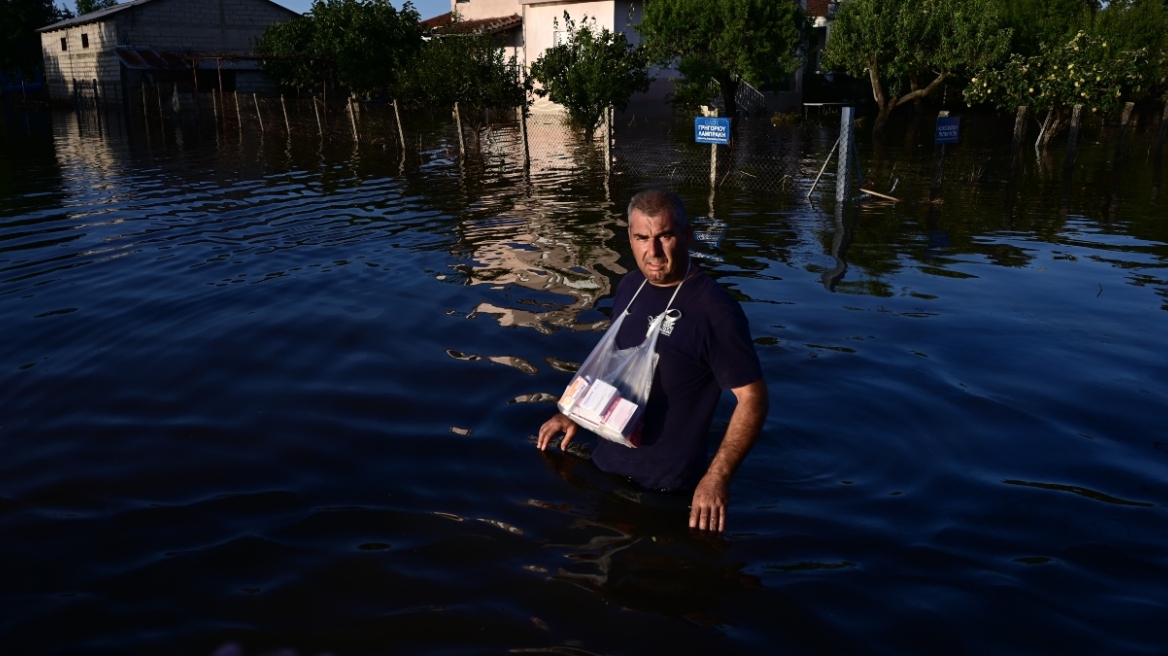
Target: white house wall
[{"x": 76, "y": 62}]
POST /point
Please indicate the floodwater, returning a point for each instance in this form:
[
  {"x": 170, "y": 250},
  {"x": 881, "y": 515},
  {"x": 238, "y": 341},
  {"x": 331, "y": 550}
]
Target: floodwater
[{"x": 283, "y": 395}]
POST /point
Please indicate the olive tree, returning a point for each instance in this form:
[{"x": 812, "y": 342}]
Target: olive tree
[
  {"x": 592, "y": 69},
  {"x": 907, "y": 48},
  {"x": 718, "y": 44}
]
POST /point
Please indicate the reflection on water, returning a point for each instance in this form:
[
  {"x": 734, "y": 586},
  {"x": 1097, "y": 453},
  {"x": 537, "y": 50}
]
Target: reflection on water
[{"x": 281, "y": 393}]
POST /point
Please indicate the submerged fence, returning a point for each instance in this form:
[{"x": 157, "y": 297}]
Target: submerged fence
[{"x": 657, "y": 149}]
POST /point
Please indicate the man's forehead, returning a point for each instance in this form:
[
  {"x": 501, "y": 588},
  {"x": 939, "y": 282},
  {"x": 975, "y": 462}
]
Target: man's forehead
[{"x": 642, "y": 222}]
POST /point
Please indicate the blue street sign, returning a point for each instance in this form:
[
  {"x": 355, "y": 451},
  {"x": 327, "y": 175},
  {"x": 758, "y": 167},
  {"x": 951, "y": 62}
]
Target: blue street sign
[
  {"x": 710, "y": 130},
  {"x": 948, "y": 129}
]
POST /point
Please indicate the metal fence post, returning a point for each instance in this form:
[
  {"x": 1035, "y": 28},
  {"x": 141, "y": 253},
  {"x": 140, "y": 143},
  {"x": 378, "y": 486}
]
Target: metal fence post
[
  {"x": 843, "y": 176},
  {"x": 523, "y": 136},
  {"x": 938, "y": 166}
]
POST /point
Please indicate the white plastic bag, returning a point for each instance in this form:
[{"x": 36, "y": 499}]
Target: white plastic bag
[{"x": 609, "y": 392}]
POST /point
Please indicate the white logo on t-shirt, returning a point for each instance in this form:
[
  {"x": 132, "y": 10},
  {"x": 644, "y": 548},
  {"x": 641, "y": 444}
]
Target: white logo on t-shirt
[{"x": 671, "y": 318}]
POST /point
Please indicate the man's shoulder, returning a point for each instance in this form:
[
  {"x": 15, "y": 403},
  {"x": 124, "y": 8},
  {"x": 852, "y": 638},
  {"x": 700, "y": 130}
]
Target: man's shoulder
[{"x": 708, "y": 291}]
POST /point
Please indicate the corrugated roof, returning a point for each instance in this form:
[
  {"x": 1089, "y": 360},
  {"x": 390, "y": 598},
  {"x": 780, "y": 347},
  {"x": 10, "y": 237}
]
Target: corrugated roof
[
  {"x": 93, "y": 16},
  {"x": 102, "y": 14}
]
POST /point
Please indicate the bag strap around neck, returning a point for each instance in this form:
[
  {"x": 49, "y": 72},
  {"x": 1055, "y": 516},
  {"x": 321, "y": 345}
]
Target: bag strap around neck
[{"x": 688, "y": 268}]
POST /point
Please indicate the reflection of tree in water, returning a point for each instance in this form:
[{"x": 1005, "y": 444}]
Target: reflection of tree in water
[{"x": 635, "y": 549}]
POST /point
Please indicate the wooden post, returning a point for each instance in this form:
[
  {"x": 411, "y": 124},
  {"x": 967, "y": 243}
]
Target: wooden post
[
  {"x": 1019, "y": 135},
  {"x": 284, "y": 108},
  {"x": 319, "y": 127},
  {"x": 214, "y": 104},
  {"x": 1124, "y": 129},
  {"x": 523, "y": 136},
  {"x": 1125, "y": 119},
  {"x": 843, "y": 176},
  {"x": 238, "y": 113},
  {"x": 938, "y": 166},
  {"x": 401, "y": 135},
  {"x": 260, "y": 116},
  {"x": 96, "y": 94},
  {"x": 1073, "y": 140},
  {"x": 353, "y": 119},
  {"x": 195, "y": 77},
  {"x": 145, "y": 105},
  {"x": 1163, "y": 136},
  {"x": 458, "y": 126},
  {"x": 1158, "y": 156}
]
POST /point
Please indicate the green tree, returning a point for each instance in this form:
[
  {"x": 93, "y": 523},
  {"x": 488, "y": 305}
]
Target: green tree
[
  {"x": 1118, "y": 56},
  {"x": 1034, "y": 22},
  {"x": 88, "y": 6},
  {"x": 1134, "y": 25},
  {"x": 20, "y": 44},
  {"x": 718, "y": 44},
  {"x": 592, "y": 69},
  {"x": 916, "y": 44},
  {"x": 359, "y": 44},
  {"x": 465, "y": 68}
]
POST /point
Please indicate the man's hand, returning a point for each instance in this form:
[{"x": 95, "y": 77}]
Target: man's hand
[
  {"x": 708, "y": 512},
  {"x": 554, "y": 426}
]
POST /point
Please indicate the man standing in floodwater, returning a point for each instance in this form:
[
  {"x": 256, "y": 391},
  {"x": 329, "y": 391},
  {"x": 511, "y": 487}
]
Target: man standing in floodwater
[{"x": 704, "y": 347}]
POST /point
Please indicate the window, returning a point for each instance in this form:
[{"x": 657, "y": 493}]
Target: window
[
  {"x": 64, "y": 43},
  {"x": 84, "y": 40}
]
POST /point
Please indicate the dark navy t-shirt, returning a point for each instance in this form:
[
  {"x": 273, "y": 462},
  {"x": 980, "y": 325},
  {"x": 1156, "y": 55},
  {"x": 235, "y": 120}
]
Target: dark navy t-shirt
[{"x": 707, "y": 349}]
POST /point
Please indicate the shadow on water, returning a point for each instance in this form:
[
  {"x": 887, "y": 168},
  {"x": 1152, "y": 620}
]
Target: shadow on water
[{"x": 280, "y": 392}]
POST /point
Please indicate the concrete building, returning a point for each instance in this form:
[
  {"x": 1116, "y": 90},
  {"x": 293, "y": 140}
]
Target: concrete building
[
  {"x": 114, "y": 50},
  {"x": 533, "y": 26}
]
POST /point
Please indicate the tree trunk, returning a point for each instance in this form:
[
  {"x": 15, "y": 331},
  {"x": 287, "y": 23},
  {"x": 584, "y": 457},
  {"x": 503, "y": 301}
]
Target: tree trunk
[
  {"x": 914, "y": 82},
  {"x": 1056, "y": 122},
  {"x": 729, "y": 88},
  {"x": 885, "y": 111}
]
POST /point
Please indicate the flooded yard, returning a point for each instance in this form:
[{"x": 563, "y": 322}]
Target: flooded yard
[{"x": 284, "y": 393}]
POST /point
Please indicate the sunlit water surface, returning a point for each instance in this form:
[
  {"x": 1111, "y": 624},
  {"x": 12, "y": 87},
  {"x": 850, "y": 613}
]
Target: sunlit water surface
[{"x": 284, "y": 395}]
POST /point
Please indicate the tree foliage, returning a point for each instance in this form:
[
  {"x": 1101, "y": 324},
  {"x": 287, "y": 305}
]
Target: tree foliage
[
  {"x": 592, "y": 69},
  {"x": 469, "y": 69},
  {"x": 1117, "y": 55},
  {"x": 1034, "y": 22},
  {"x": 717, "y": 44},
  {"x": 20, "y": 44},
  {"x": 916, "y": 44},
  {"x": 1084, "y": 70},
  {"x": 359, "y": 44},
  {"x": 88, "y": 6}
]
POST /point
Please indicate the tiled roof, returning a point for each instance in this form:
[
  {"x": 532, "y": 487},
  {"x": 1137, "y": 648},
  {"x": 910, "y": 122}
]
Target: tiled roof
[
  {"x": 817, "y": 7},
  {"x": 445, "y": 24}
]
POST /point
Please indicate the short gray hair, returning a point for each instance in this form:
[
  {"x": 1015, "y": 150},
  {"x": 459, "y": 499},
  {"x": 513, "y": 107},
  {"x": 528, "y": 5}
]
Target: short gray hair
[{"x": 655, "y": 202}]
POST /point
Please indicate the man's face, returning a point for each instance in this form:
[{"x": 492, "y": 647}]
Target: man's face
[{"x": 661, "y": 251}]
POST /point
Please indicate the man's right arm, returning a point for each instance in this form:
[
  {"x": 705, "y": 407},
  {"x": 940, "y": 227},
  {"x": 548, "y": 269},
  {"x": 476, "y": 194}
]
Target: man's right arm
[{"x": 554, "y": 426}]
